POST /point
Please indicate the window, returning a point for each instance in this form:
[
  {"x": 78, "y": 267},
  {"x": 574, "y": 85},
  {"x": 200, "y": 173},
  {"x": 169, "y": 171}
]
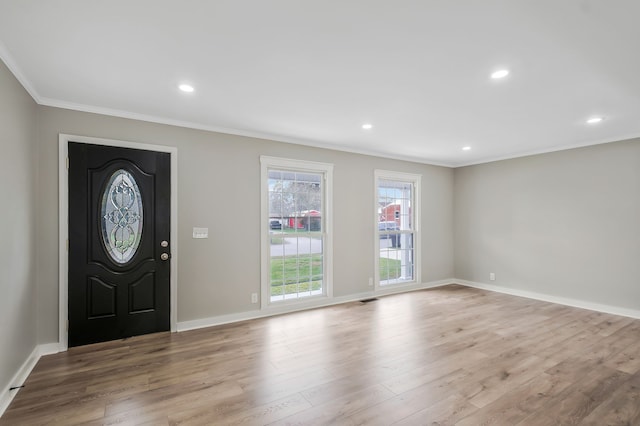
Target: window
[
  {"x": 296, "y": 228},
  {"x": 121, "y": 222},
  {"x": 397, "y": 240}
]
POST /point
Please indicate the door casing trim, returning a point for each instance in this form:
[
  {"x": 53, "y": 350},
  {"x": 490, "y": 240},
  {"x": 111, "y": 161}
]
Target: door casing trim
[{"x": 63, "y": 224}]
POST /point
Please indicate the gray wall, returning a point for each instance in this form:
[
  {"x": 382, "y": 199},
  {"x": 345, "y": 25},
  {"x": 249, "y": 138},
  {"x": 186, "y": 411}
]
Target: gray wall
[
  {"x": 18, "y": 335},
  {"x": 219, "y": 188},
  {"x": 565, "y": 224}
]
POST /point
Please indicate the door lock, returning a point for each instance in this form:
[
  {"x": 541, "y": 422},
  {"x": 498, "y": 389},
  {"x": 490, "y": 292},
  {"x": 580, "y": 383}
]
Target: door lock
[{"x": 164, "y": 256}]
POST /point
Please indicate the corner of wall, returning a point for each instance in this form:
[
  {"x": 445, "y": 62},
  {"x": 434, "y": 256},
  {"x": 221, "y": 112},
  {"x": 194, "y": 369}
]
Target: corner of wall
[
  {"x": 11, "y": 389},
  {"x": 575, "y": 303}
]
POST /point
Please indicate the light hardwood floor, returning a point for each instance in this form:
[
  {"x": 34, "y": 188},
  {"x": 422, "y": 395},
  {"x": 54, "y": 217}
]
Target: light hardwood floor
[{"x": 452, "y": 355}]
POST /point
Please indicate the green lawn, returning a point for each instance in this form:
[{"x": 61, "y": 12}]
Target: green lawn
[
  {"x": 389, "y": 269},
  {"x": 293, "y": 274},
  {"x": 279, "y": 290},
  {"x": 295, "y": 269}
]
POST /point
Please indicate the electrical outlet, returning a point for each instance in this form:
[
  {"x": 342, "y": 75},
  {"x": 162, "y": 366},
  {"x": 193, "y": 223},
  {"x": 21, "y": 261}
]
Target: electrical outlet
[
  {"x": 492, "y": 276},
  {"x": 370, "y": 282},
  {"x": 254, "y": 297}
]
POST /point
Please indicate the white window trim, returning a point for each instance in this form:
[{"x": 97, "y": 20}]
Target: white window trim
[
  {"x": 416, "y": 180},
  {"x": 267, "y": 163}
]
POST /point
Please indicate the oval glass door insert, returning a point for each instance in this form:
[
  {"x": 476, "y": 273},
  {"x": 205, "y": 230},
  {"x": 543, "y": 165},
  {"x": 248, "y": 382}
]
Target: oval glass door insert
[{"x": 121, "y": 216}]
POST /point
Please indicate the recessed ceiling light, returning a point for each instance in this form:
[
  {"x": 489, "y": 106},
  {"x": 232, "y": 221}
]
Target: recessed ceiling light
[
  {"x": 186, "y": 88},
  {"x": 594, "y": 120},
  {"x": 500, "y": 74},
  {"x": 466, "y": 148},
  {"x": 367, "y": 126}
]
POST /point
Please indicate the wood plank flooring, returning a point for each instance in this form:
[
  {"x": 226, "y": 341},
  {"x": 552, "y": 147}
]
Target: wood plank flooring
[{"x": 445, "y": 356}]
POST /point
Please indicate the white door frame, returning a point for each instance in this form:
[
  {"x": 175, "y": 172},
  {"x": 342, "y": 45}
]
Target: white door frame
[{"x": 63, "y": 226}]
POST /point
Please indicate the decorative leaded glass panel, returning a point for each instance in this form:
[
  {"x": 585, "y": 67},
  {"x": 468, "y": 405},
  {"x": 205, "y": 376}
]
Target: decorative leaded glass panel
[{"x": 121, "y": 216}]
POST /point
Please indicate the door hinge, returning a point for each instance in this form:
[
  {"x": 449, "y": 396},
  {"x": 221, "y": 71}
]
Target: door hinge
[
  {"x": 67, "y": 325},
  {"x": 67, "y": 163},
  {"x": 67, "y": 244}
]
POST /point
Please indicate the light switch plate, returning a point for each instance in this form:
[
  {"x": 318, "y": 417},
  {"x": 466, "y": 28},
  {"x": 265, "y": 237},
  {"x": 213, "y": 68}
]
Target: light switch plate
[{"x": 200, "y": 232}]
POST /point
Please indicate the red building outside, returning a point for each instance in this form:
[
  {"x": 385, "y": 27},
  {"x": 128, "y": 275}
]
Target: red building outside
[{"x": 309, "y": 220}]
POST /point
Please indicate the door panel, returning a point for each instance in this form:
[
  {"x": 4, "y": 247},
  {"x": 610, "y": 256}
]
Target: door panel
[
  {"x": 119, "y": 213},
  {"x": 101, "y": 299},
  {"x": 142, "y": 294}
]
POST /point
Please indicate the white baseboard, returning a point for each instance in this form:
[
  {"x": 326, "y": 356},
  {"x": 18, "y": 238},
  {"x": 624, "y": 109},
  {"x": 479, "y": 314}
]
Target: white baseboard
[
  {"x": 49, "y": 349},
  {"x": 6, "y": 396},
  {"x": 576, "y": 303},
  {"x": 18, "y": 379},
  {"x": 318, "y": 303}
]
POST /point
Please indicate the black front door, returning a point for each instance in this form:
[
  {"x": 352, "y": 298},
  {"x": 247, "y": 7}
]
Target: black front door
[{"x": 119, "y": 245}]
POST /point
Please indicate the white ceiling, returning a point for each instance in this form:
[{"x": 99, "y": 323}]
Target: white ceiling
[{"x": 313, "y": 72}]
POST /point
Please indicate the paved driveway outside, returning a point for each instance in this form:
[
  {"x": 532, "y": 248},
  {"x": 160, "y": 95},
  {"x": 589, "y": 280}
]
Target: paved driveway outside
[{"x": 288, "y": 246}]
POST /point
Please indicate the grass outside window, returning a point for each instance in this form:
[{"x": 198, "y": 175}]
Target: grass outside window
[
  {"x": 293, "y": 274},
  {"x": 389, "y": 269}
]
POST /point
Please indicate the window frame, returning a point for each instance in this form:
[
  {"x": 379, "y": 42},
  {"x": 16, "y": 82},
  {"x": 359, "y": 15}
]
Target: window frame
[
  {"x": 415, "y": 180},
  {"x": 302, "y": 166}
]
